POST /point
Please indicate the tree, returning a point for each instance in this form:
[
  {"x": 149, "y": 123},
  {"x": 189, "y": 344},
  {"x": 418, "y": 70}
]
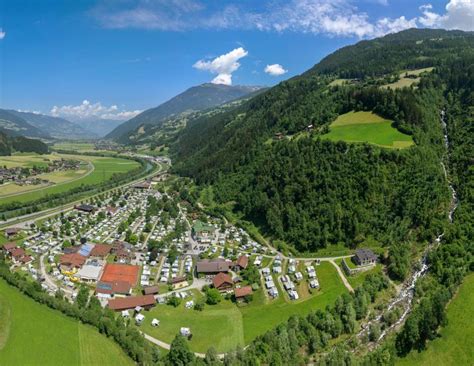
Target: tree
[
  {"x": 82, "y": 297},
  {"x": 174, "y": 301},
  {"x": 213, "y": 296},
  {"x": 180, "y": 354}
]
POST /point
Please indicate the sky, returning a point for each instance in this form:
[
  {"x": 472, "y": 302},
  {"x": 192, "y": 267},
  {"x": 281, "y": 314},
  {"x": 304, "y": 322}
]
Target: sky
[{"x": 111, "y": 59}]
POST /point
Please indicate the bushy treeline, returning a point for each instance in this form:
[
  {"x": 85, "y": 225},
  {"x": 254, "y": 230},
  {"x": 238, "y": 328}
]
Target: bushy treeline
[
  {"x": 89, "y": 311},
  {"x": 450, "y": 262}
]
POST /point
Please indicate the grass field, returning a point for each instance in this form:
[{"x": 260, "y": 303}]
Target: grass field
[
  {"x": 33, "y": 334},
  {"x": 27, "y": 160},
  {"x": 104, "y": 168},
  {"x": 227, "y": 325},
  {"x": 456, "y": 344},
  {"x": 74, "y": 146},
  {"x": 406, "y": 81},
  {"x": 367, "y": 127}
]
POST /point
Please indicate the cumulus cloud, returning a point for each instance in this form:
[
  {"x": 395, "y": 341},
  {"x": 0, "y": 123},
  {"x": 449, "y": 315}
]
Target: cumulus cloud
[
  {"x": 275, "y": 70},
  {"x": 87, "y": 111},
  {"x": 459, "y": 15},
  {"x": 223, "y": 65},
  {"x": 2, "y": 33}
]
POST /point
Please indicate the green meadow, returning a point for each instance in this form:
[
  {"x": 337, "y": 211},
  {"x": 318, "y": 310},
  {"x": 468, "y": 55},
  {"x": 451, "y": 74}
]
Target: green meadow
[
  {"x": 33, "y": 334},
  {"x": 455, "y": 346},
  {"x": 100, "y": 169},
  {"x": 367, "y": 127},
  {"x": 226, "y": 325}
]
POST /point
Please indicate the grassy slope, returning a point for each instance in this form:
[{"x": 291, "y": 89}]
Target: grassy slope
[
  {"x": 37, "y": 335},
  {"x": 367, "y": 127},
  {"x": 456, "y": 344},
  {"x": 104, "y": 169}
]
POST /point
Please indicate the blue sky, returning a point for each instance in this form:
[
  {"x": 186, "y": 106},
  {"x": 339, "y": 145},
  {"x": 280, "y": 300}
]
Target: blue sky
[{"x": 125, "y": 56}]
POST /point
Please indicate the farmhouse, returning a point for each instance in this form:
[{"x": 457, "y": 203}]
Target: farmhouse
[
  {"x": 110, "y": 289},
  {"x": 365, "y": 257},
  {"x": 242, "y": 293},
  {"x": 242, "y": 263},
  {"x": 125, "y": 303},
  {"x": 222, "y": 282},
  {"x": 202, "y": 232},
  {"x": 212, "y": 267}
]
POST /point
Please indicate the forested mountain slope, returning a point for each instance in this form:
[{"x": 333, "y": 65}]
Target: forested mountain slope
[
  {"x": 18, "y": 126},
  {"x": 55, "y": 127},
  {"x": 9, "y": 144},
  {"x": 311, "y": 192},
  {"x": 193, "y": 99}
]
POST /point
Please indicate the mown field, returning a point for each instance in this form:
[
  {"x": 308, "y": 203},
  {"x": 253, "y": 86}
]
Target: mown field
[
  {"x": 33, "y": 334},
  {"x": 102, "y": 169},
  {"x": 227, "y": 325},
  {"x": 367, "y": 127},
  {"x": 456, "y": 344},
  {"x": 405, "y": 81}
]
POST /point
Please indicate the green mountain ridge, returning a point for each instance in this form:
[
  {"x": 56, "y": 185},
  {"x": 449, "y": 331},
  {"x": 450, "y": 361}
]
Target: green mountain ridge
[{"x": 193, "y": 99}]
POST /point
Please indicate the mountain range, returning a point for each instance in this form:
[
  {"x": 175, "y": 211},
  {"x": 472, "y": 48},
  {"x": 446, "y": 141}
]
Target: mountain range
[{"x": 193, "y": 99}]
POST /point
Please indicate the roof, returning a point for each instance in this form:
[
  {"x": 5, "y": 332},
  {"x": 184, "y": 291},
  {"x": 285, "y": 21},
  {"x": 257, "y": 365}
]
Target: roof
[
  {"x": 243, "y": 291},
  {"x": 243, "y": 261},
  {"x": 115, "y": 287},
  {"x": 89, "y": 271},
  {"x": 206, "y": 266},
  {"x": 151, "y": 290},
  {"x": 9, "y": 246},
  {"x": 178, "y": 279},
  {"x": 120, "y": 272},
  {"x": 365, "y": 254},
  {"x": 131, "y": 302},
  {"x": 200, "y": 226},
  {"x": 87, "y": 208},
  {"x": 74, "y": 260},
  {"x": 17, "y": 252},
  {"x": 86, "y": 249},
  {"x": 222, "y": 279},
  {"x": 26, "y": 259},
  {"x": 100, "y": 250},
  {"x": 12, "y": 230}
]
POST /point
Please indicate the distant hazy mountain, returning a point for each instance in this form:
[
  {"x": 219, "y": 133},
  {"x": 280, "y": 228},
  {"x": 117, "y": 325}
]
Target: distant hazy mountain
[
  {"x": 15, "y": 125},
  {"x": 99, "y": 127},
  {"x": 194, "y": 99},
  {"x": 59, "y": 128}
]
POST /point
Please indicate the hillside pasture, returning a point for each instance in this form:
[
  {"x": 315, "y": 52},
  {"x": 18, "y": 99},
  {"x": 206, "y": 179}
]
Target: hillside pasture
[
  {"x": 367, "y": 127},
  {"x": 408, "y": 78},
  {"x": 455, "y": 346},
  {"x": 33, "y": 334}
]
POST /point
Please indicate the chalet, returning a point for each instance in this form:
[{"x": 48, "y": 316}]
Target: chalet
[
  {"x": 212, "y": 267},
  {"x": 202, "y": 232},
  {"x": 112, "y": 288},
  {"x": 222, "y": 282},
  {"x": 71, "y": 261},
  {"x": 126, "y": 303},
  {"x": 242, "y": 293},
  {"x": 365, "y": 257},
  {"x": 242, "y": 263},
  {"x": 151, "y": 290},
  {"x": 12, "y": 231},
  {"x": 85, "y": 208}
]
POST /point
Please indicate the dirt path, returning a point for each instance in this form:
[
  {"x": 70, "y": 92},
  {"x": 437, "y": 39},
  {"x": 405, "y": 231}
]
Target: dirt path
[{"x": 341, "y": 274}]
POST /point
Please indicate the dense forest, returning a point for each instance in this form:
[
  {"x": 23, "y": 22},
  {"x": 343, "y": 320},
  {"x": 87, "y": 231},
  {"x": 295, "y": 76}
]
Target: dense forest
[
  {"x": 9, "y": 144},
  {"x": 311, "y": 193}
]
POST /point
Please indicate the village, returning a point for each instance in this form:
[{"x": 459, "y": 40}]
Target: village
[
  {"x": 138, "y": 248},
  {"x": 32, "y": 176}
]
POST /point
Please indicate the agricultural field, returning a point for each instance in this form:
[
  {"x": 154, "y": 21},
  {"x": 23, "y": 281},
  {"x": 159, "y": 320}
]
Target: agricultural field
[
  {"x": 408, "y": 78},
  {"x": 33, "y": 334},
  {"x": 227, "y": 325},
  {"x": 27, "y": 160},
  {"x": 367, "y": 127},
  {"x": 74, "y": 146},
  {"x": 454, "y": 347},
  {"x": 97, "y": 170}
]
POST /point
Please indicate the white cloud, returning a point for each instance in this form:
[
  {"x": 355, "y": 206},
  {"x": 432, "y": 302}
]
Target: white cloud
[
  {"x": 2, "y": 33},
  {"x": 87, "y": 110},
  {"x": 275, "y": 70},
  {"x": 331, "y": 17},
  {"x": 459, "y": 15},
  {"x": 223, "y": 65}
]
